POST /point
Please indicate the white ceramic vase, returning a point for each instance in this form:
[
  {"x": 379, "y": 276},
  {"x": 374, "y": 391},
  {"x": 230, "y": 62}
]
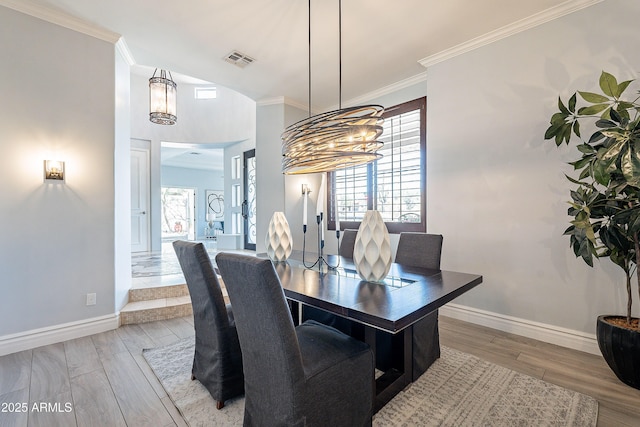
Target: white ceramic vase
[
  {"x": 278, "y": 240},
  {"x": 372, "y": 250}
]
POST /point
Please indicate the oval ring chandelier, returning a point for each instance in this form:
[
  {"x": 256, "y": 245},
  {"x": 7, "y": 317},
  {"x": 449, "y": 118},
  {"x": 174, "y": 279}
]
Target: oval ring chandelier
[{"x": 333, "y": 140}]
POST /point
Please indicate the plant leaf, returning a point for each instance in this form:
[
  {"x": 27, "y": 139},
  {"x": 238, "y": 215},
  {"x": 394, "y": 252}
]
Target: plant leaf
[
  {"x": 572, "y": 103},
  {"x": 562, "y": 108},
  {"x": 580, "y": 163},
  {"x": 585, "y": 148},
  {"x": 576, "y": 128},
  {"x": 553, "y": 130},
  {"x": 592, "y": 109},
  {"x": 615, "y": 116},
  {"x": 630, "y": 165},
  {"x": 595, "y": 137},
  {"x": 609, "y": 84},
  {"x": 623, "y": 86},
  {"x": 594, "y": 98}
]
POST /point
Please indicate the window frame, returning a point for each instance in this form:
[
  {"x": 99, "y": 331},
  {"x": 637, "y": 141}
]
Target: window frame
[
  {"x": 199, "y": 90},
  {"x": 393, "y": 227}
]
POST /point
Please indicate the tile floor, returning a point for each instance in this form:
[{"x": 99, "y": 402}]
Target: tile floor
[{"x": 154, "y": 269}]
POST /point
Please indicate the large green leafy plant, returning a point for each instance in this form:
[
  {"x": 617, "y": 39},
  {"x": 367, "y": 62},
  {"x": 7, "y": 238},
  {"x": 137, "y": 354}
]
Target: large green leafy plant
[{"x": 605, "y": 203}]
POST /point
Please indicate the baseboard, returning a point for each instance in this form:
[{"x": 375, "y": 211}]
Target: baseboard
[
  {"x": 58, "y": 333},
  {"x": 540, "y": 331}
]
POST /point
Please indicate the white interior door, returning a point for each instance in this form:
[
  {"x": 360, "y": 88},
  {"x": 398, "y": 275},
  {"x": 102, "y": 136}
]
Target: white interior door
[{"x": 140, "y": 193}]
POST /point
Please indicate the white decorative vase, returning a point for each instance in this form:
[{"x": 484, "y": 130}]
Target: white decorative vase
[
  {"x": 372, "y": 250},
  {"x": 278, "y": 240}
]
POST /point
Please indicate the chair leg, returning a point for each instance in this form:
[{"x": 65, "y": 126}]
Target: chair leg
[{"x": 219, "y": 404}]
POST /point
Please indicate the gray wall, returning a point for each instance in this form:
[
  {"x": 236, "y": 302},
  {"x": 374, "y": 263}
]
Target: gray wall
[
  {"x": 496, "y": 190},
  {"x": 58, "y": 87},
  {"x": 122, "y": 183},
  {"x": 275, "y": 191}
]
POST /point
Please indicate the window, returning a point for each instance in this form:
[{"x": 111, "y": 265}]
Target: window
[
  {"x": 206, "y": 93},
  {"x": 236, "y": 167},
  {"x": 395, "y": 184}
]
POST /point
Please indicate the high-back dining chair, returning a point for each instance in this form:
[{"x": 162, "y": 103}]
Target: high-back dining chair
[
  {"x": 347, "y": 242},
  {"x": 424, "y": 251},
  {"x": 419, "y": 250},
  {"x": 309, "y": 375},
  {"x": 217, "y": 361}
]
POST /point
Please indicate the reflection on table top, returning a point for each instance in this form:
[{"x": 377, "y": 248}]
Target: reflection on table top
[{"x": 407, "y": 295}]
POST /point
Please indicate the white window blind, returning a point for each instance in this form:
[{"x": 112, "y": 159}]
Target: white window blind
[{"x": 393, "y": 185}]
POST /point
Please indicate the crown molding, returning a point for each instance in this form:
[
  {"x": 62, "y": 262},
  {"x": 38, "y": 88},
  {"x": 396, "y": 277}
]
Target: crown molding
[
  {"x": 281, "y": 100},
  {"x": 270, "y": 101},
  {"x": 394, "y": 87},
  {"x": 121, "y": 46},
  {"x": 57, "y": 17},
  {"x": 509, "y": 30},
  {"x": 410, "y": 81}
]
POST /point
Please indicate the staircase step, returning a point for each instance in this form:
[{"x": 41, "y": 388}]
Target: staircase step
[
  {"x": 158, "y": 292},
  {"x": 155, "y": 309},
  {"x": 148, "y": 304}
]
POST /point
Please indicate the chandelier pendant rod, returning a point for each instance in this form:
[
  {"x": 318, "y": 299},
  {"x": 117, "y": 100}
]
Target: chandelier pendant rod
[
  {"x": 340, "y": 55},
  {"x": 309, "y": 9}
]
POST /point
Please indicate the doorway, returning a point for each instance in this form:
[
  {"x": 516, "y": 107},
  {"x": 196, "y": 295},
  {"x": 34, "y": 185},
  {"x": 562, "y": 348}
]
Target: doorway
[
  {"x": 140, "y": 193},
  {"x": 178, "y": 208},
  {"x": 249, "y": 204}
]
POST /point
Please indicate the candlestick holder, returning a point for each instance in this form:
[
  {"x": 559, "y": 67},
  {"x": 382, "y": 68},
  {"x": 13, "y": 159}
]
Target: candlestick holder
[{"x": 320, "y": 261}]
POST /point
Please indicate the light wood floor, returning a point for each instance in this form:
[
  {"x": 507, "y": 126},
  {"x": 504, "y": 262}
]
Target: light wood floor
[{"x": 106, "y": 381}]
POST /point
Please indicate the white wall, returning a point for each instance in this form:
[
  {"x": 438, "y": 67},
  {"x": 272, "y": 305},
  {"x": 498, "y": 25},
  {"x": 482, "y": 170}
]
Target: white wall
[
  {"x": 122, "y": 182},
  {"x": 269, "y": 178},
  {"x": 496, "y": 189},
  {"x": 199, "y": 179},
  {"x": 57, "y": 242},
  {"x": 229, "y": 118},
  {"x": 275, "y": 191}
]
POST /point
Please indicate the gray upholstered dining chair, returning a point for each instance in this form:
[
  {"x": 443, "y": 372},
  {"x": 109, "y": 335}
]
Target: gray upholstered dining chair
[
  {"x": 309, "y": 375},
  {"x": 424, "y": 251},
  {"x": 347, "y": 242},
  {"x": 217, "y": 361}
]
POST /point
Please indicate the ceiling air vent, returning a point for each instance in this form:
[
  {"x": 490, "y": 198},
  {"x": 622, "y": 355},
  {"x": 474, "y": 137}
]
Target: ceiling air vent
[{"x": 238, "y": 59}]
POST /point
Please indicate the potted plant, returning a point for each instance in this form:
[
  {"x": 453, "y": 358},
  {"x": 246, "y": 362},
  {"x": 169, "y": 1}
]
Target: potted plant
[{"x": 605, "y": 203}]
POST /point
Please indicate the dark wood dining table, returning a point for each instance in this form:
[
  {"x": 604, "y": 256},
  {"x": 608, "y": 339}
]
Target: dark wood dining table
[{"x": 407, "y": 295}]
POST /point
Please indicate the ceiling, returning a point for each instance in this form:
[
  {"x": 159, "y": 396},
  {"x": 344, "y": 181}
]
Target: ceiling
[
  {"x": 192, "y": 156},
  {"x": 383, "y": 42}
]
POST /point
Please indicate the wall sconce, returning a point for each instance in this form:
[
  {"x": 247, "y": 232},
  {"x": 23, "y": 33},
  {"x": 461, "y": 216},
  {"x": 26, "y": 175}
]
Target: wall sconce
[{"x": 54, "y": 170}]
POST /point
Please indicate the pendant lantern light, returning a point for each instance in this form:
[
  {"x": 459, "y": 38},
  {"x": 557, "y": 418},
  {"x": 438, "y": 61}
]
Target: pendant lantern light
[
  {"x": 336, "y": 139},
  {"x": 162, "y": 99}
]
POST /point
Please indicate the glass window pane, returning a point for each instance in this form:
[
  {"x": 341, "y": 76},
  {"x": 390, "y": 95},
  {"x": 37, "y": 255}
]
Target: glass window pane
[{"x": 394, "y": 182}]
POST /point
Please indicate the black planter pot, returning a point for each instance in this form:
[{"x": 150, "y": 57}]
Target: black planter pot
[{"x": 620, "y": 347}]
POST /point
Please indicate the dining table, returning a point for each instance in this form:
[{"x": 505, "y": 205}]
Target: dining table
[{"x": 394, "y": 305}]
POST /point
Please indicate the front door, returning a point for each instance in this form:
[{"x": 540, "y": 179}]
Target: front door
[
  {"x": 249, "y": 204},
  {"x": 139, "y": 200}
]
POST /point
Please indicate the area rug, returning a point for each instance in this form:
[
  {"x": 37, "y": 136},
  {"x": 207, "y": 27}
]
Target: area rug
[{"x": 458, "y": 390}]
